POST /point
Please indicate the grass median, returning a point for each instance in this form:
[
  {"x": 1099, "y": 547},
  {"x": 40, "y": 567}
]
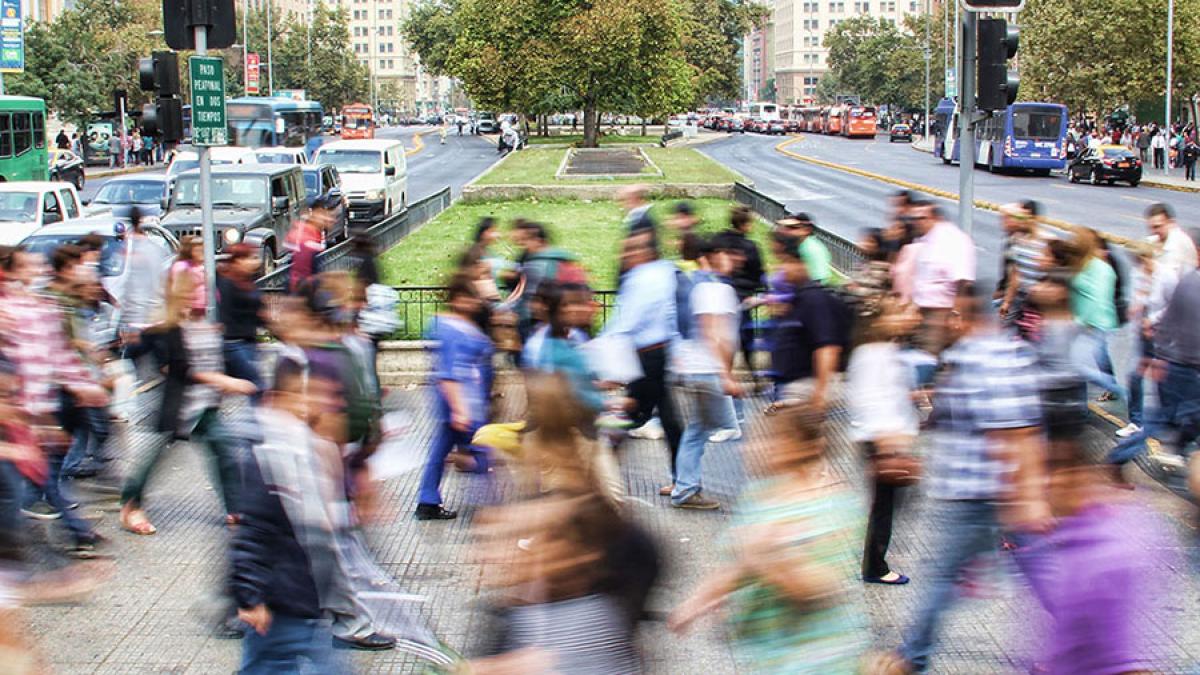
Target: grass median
[
  {"x": 591, "y": 230},
  {"x": 537, "y": 166},
  {"x": 608, "y": 139}
]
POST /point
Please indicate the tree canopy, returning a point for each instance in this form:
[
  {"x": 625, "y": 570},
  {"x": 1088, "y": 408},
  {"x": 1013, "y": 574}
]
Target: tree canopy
[{"x": 883, "y": 63}]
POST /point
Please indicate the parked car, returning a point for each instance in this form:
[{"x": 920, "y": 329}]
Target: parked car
[
  {"x": 1108, "y": 164},
  {"x": 254, "y": 203},
  {"x": 114, "y": 255},
  {"x": 322, "y": 181},
  {"x": 280, "y": 156},
  {"x": 26, "y": 206},
  {"x": 900, "y": 132},
  {"x": 791, "y": 126},
  {"x": 374, "y": 174},
  {"x": 147, "y": 192},
  {"x": 186, "y": 160},
  {"x": 777, "y": 127},
  {"x": 736, "y": 124},
  {"x": 66, "y": 166},
  {"x": 487, "y": 123}
]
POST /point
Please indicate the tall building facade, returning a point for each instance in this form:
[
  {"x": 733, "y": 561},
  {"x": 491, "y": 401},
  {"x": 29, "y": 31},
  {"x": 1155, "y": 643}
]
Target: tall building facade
[
  {"x": 377, "y": 43},
  {"x": 44, "y": 10},
  {"x": 797, "y": 31},
  {"x": 758, "y": 61}
]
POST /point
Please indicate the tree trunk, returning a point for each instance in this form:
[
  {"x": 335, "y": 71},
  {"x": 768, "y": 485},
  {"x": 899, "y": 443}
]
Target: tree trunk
[
  {"x": 591, "y": 120},
  {"x": 643, "y": 126}
]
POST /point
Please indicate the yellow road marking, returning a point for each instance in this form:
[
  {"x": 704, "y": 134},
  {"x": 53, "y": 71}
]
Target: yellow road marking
[
  {"x": 984, "y": 205},
  {"x": 1152, "y": 446},
  {"x": 418, "y": 144}
]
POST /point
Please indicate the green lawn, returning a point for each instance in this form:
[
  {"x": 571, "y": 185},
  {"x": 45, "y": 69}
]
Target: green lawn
[
  {"x": 537, "y": 166},
  {"x": 590, "y": 230},
  {"x": 604, "y": 140}
]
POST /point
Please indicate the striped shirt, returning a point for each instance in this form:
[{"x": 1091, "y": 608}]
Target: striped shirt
[
  {"x": 587, "y": 635},
  {"x": 1025, "y": 251},
  {"x": 990, "y": 383}
]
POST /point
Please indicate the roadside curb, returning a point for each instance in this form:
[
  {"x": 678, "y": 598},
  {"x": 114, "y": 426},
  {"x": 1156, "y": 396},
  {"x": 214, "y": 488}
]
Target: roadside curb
[
  {"x": 108, "y": 173},
  {"x": 937, "y": 192}
]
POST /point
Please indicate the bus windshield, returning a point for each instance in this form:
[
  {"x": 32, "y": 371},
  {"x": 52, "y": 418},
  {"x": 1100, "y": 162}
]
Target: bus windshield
[
  {"x": 1042, "y": 123},
  {"x": 249, "y": 192}
]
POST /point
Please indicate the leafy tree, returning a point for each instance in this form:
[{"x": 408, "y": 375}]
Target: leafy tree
[
  {"x": 883, "y": 63},
  {"x": 431, "y": 31},
  {"x": 318, "y": 59},
  {"x": 713, "y": 31},
  {"x": 1095, "y": 57}
]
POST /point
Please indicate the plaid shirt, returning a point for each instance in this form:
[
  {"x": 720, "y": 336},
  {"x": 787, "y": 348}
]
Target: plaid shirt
[
  {"x": 990, "y": 384},
  {"x": 32, "y": 337}
]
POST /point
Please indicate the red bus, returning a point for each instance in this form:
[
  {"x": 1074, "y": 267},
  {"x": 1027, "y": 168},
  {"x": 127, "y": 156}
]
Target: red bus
[
  {"x": 358, "y": 121},
  {"x": 859, "y": 122},
  {"x": 832, "y": 118}
]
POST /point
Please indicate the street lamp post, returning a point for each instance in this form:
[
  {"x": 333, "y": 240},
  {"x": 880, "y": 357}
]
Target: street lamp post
[
  {"x": 245, "y": 44},
  {"x": 928, "y": 56},
  {"x": 270, "y": 63},
  {"x": 1167, "y": 113}
]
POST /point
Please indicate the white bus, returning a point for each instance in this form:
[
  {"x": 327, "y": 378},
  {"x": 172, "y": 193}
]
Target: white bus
[{"x": 768, "y": 112}]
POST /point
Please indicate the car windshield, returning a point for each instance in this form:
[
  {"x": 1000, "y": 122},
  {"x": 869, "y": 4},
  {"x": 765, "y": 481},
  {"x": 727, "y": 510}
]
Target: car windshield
[
  {"x": 1041, "y": 124},
  {"x": 248, "y": 192},
  {"x": 352, "y": 161},
  {"x": 130, "y": 192},
  {"x": 1117, "y": 153},
  {"x": 20, "y": 207},
  {"x": 112, "y": 253},
  {"x": 275, "y": 158},
  {"x": 181, "y": 165},
  {"x": 312, "y": 183}
]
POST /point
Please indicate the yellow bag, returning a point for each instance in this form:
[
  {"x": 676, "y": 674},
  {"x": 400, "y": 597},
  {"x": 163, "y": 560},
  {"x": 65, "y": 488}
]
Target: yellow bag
[{"x": 501, "y": 437}]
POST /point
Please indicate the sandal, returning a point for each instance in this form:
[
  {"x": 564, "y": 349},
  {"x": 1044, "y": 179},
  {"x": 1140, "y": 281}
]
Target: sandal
[
  {"x": 771, "y": 408},
  {"x": 135, "y": 521}
]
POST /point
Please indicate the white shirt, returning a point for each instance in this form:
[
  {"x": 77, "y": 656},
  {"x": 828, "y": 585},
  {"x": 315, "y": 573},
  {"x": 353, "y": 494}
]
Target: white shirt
[
  {"x": 1157, "y": 142},
  {"x": 1179, "y": 252},
  {"x": 879, "y": 383},
  {"x": 694, "y": 355},
  {"x": 946, "y": 257}
]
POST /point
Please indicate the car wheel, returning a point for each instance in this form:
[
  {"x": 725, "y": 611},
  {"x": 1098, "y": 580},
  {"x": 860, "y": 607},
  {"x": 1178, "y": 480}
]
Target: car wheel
[
  {"x": 1134, "y": 183},
  {"x": 1071, "y": 176},
  {"x": 1112, "y": 181},
  {"x": 79, "y": 181},
  {"x": 268, "y": 259},
  {"x": 1094, "y": 179}
]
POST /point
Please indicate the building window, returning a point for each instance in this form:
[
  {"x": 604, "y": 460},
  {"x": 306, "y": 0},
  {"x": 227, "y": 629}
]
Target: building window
[
  {"x": 890, "y": 7},
  {"x": 837, "y": 7},
  {"x": 812, "y": 24},
  {"x": 863, "y": 7},
  {"x": 912, "y": 7}
]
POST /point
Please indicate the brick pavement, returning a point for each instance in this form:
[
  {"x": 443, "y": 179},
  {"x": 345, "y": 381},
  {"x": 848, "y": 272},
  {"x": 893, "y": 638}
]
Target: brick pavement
[{"x": 155, "y": 615}]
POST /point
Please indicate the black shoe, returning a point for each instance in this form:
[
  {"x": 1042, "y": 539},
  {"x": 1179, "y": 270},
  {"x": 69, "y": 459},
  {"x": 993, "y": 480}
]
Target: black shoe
[
  {"x": 434, "y": 512},
  {"x": 42, "y": 511},
  {"x": 371, "y": 643},
  {"x": 231, "y": 628}
]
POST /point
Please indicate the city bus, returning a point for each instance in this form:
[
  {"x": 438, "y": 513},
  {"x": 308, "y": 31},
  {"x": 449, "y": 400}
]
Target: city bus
[
  {"x": 858, "y": 121},
  {"x": 23, "y": 154},
  {"x": 768, "y": 112},
  {"x": 1025, "y": 136},
  {"x": 264, "y": 122},
  {"x": 358, "y": 121},
  {"x": 831, "y": 120}
]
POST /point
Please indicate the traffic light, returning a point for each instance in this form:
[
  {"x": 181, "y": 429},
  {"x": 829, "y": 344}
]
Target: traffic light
[
  {"x": 996, "y": 87},
  {"x": 163, "y": 116},
  {"x": 180, "y": 17}
]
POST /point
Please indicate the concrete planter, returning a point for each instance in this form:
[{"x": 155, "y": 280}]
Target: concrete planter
[{"x": 482, "y": 193}]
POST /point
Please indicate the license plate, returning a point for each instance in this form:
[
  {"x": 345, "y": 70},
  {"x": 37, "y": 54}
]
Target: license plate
[{"x": 1123, "y": 165}]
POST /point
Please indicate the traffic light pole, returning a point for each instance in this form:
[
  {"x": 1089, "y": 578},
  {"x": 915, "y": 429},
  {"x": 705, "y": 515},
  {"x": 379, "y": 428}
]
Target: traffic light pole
[
  {"x": 966, "y": 119},
  {"x": 206, "y": 215}
]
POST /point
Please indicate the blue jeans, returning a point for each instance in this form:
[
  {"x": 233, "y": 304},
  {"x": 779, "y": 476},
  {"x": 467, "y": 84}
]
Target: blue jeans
[
  {"x": 88, "y": 441},
  {"x": 241, "y": 361},
  {"x": 1089, "y": 355},
  {"x": 445, "y": 439},
  {"x": 963, "y": 530},
  {"x": 1176, "y": 420},
  {"x": 289, "y": 642},
  {"x": 1139, "y": 350},
  {"x": 701, "y": 405},
  {"x": 54, "y": 495}
]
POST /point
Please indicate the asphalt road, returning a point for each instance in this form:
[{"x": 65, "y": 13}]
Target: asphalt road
[
  {"x": 846, "y": 203},
  {"x": 429, "y": 170}
]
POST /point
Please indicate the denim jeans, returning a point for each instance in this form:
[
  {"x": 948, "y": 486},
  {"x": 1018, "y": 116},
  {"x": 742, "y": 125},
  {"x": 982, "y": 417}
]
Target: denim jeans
[
  {"x": 445, "y": 439},
  {"x": 241, "y": 361},
  {"x": 222, "y": 447},
  {"x": 88, "y": 441},
  {"x": 1176, "y": 420},
  {"x": 1089, "y": 355},
  {"x": 54, "y": 494},
  {"x": 1136, "y": 402},
  {"x": 963, "y": 529},
  {"x": 701, "y": 405},
  {"x": 290, "y": 643}
]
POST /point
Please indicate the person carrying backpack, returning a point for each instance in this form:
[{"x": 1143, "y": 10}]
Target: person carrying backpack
[
  {"x": 702, "y": 369},
  {"x": 811, "y": 338},
  {"x": 541, "y": 262}
]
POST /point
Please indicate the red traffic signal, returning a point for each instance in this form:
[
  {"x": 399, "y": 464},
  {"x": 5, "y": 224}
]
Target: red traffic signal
[{"x": 992, "y": 5}]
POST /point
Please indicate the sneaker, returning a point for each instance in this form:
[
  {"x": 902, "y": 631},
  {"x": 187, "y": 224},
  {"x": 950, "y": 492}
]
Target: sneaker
[
  {"x": 1106, "y": 396},
  {"x": 1128, "y": 430},
  {"x": 651, "y": 431},
  {"x": 698, "y": 502},
  {"x": 42, "y": 511},
  {"x": 724, "y": 435}
]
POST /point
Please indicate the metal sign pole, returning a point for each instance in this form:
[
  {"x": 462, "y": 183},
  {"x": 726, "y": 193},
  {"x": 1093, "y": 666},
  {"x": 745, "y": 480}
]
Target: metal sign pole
[
  {"x": 206, "y": 215},
  {"x": 966, "y": 119}
]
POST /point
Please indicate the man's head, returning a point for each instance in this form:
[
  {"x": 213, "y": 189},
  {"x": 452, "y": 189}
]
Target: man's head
[
  {"x": 1161, "y": 219},
  {"x": 1015, "y": 218},
  {"x": 65, "y": 261},
  {"x": 534, "y": 236},
  {"x": 320, "y": 213},
  {"x": 714, "y": 256},
  {"x": 632, "y": 196},
  {"x": 970, "y": 311},
  {"x": 23, "y": 266},
  {"x": 925, "y": 216},
  {"x": 741, "y": 219},
  {"x": 796, "y": 224},
  {"x": 683, "y": 217},
  {"x": 638, "y": 249},
  {"x": 462, "y": 296}
]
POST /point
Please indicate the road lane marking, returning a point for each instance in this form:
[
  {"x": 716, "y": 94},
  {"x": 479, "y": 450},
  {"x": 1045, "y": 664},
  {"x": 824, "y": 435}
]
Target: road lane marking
[
  {"x": 981, "y": 204},
  {"x": 1061, "y": 187},
  {"x": 418, "y": 144},
  {"x": 1139, "y": 199}
]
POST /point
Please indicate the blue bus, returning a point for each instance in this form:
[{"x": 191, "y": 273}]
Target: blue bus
[
  {"x": 262, "y": 121},
  {"x": 1026, "y": 136}
]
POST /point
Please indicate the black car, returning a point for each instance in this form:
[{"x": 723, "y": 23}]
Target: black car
[
  {"x": 1107, "y": 164},
  {"x": 322, "y": 181},
  {"x": 66, "y": 166}
]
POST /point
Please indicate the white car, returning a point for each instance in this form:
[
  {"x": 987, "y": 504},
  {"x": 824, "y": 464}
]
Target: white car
[
  {"x": 280, "y": 155},
  {"x": 186, "y": 160},
  {"x": 374, "y": 176},
  {"x": 26, "y": 206}
]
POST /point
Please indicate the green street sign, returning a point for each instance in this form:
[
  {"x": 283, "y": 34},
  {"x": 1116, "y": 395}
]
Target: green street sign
[{"x": 208, "y": 101}]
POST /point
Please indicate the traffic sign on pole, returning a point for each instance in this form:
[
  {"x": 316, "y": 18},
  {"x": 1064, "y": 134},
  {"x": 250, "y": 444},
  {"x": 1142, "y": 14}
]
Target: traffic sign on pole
[
  {"x": 252, "y": 72},
  {"x": 208, "y": 101},
  {"x": 12, "y": 37}
]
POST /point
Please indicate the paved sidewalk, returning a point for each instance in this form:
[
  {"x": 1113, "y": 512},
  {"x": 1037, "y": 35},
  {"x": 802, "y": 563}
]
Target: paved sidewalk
[{"x": 156, "y": 614}]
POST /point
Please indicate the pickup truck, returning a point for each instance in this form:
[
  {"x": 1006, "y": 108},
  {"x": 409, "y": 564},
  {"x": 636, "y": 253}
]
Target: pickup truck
[{"x": 26, "y": 206}]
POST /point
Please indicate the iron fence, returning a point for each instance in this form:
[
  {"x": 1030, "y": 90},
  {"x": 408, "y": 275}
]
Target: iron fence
[{"x": 845, "y": 255}]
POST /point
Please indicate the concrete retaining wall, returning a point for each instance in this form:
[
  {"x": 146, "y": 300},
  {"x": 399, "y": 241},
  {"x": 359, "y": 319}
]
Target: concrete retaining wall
[{"x": 479, "y": 193}]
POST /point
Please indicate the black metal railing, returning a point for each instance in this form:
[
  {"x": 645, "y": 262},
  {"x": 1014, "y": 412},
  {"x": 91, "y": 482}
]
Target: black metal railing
[
  {"x": 384, "y": 235},
  {"x": 844, "y": 254}
]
